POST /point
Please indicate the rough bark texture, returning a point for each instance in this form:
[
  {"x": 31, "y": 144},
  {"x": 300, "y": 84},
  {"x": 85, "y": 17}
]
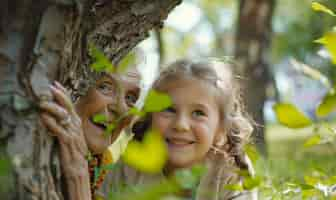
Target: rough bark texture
[
  {"x": 42, "y": 41},
  {"x": 252, "y": 46}
]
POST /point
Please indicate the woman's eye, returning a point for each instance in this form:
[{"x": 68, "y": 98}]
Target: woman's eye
[
  {"x": 131, "y": 98},
  {"x": 198, "y": 113},
  {"x": 170, "y": 110},
  {"x": 105, "y": 87}
]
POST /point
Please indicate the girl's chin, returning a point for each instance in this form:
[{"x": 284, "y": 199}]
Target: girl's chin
[{"x": 179, "y": 163}]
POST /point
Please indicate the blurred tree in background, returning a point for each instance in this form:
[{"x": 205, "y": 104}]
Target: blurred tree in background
[{"x": 253, "y": 37}]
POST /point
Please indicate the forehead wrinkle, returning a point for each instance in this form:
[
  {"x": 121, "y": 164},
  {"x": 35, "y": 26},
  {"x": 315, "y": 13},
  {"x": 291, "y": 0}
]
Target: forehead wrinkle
[{"x": 128, "y": 77}]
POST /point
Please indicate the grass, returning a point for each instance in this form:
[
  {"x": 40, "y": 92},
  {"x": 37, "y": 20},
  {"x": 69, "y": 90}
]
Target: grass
[{"x": 290, "y": 162}]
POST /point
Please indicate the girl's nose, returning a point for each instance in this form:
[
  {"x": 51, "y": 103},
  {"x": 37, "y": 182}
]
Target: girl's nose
[{"x": 181, "y": 123}]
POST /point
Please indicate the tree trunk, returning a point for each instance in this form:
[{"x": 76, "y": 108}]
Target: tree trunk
[
  {"x": 252, "y": 47},
  {"x": 42, "y": 41}
]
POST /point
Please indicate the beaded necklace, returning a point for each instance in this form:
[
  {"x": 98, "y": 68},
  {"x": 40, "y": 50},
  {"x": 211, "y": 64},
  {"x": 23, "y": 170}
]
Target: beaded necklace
[
  {"x": 97, "y": 174},
  {"x": 97, "y": 170}
]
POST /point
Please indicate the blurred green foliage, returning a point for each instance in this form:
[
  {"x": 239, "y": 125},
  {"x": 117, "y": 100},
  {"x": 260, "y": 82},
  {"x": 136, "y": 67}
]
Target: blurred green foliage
[
  {"x": 292, "y": 171},
  {"x": 149, "y": 155}
]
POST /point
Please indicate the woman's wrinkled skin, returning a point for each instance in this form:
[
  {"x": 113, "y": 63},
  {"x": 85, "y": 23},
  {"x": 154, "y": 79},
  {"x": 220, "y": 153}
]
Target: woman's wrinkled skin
[{"x": 112, "y": 96}]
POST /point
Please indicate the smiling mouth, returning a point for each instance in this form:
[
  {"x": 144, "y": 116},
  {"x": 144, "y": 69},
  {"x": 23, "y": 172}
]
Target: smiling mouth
[
  {"x": 102, "y": 126},
  {"x": 179, "y": 142}
]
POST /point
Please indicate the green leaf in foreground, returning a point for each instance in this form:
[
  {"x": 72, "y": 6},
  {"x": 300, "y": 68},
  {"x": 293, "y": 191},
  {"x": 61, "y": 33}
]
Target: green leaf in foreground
[
  {"x": 251, "y": 152},
  {"x": 319, "y": 7},
  {"x": 109, "y": 129},
  {"x": 136, "y": 112},
  {"x": 155, "y": 191},
  {"x": 251, "y": 182},
  {"x": 126, "y": 62},
  {"x": 156, "y": 101},
  {"x": 150, "y": 155},
  {"x": 101, "y": 62},
  {"x": 327, "y": 105},
  {"x": 312, "y": 141},
  {"x": 189, "y": 178},
  {"x": 290, "y": 116},
  {"x": 99, "y": 118},
  {"x": 329, "y": 41},
  {"x": 5, "y": 166},
  {"x": 234, "y": 187}
]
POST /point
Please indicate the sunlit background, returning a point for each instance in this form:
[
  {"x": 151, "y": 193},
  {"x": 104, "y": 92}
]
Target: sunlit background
[{"x": 301, "y": 72}]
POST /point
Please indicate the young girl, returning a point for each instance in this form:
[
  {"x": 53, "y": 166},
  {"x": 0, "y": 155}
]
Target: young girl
[{"x": 204, "y": 125}]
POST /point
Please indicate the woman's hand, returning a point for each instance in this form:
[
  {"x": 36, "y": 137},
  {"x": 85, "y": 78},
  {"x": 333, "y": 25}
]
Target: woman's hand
[{"x": 61, "y": 119}]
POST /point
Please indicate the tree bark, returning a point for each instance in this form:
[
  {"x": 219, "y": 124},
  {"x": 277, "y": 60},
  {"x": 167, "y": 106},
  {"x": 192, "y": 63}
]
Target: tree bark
[
  {"x": 252, "y": 46},
  {"x": 42, "y": 41}
]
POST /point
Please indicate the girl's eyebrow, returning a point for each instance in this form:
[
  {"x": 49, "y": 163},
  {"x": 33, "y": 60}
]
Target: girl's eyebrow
[{"x": 202, "y": 105}]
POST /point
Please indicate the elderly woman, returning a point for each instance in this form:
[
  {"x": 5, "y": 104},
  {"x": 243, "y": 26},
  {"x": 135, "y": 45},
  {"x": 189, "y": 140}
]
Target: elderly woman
[{"x": 79, "y": 135}]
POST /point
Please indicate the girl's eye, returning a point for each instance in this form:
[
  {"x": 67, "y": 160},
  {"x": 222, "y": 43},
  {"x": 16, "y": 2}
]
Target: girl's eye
[
  {"x": 105, "y": 87},
  {"x": 131, "y": 98},
  {"x": 198, "y": 113}
]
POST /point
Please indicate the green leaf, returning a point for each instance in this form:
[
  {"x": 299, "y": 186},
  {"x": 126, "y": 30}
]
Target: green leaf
[
  {"x": 156, "y": 101},
  {"x": 251, "y": 182},
  {"x": 5, "y": 166},
  {"x": 234, "y": 187},
  {"x": 312, "y": 141},
  {"x": 319, "y": 7},
  {"x": 101, "y": 62},
  {"x": 99, "y": 118},
  {"x": 136, "y": 112},
  {"x": 306, "y": 186},
  {"x": 155, "y": 191},
  {"x": 329, "y": 41},
  {"x": 150, "y": 155},
  {"x": 198, "y": 170},
  {"x": 109, "y": 129},
  {"x": 244, "y": 173},
  {"x": 189, "y": 178},
  {"x": 290, "y": 116},
  {"x": 251, "y": 152},
  {"x": 309, "y": 193},
  {"x": 126, "y": 62},
  {"x": 186, "y": 179},
  {"x": 311, "y": 180},
  {"x": 327, "y": 105}
]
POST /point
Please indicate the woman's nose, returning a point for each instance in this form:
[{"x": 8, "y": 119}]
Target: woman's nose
[
  {"x": 117, "y": 107},
  {"x": 181, "y": 123}
]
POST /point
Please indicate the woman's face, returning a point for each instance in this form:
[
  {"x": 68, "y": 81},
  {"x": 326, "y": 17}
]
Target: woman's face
[{"x": 112, "y": 96}]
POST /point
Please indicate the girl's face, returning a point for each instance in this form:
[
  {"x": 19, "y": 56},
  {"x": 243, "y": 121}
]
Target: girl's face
[
  {"x": 191, "y": 124},
  {"x": 112, "y": 96}
]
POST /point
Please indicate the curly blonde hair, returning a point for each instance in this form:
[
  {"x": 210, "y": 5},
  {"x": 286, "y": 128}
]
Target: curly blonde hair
[{"x": 219, "y": 75}]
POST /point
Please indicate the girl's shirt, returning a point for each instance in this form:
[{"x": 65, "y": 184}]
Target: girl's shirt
[{"x": 211, "y": 185}]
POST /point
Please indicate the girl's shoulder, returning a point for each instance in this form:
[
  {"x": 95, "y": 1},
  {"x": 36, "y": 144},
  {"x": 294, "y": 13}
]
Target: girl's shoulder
[{"x": 220, "y": 174}]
